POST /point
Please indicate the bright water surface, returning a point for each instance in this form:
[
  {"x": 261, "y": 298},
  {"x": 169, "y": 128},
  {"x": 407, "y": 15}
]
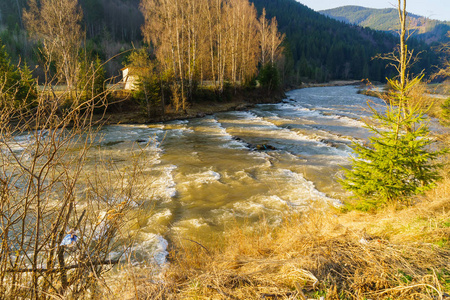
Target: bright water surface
[{"x": 205, "y": 175}]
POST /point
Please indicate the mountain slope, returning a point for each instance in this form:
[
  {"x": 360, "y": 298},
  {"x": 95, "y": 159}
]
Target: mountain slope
[
  {"x": 387, "y": 20},
  {"x": 323, "y": 48}
]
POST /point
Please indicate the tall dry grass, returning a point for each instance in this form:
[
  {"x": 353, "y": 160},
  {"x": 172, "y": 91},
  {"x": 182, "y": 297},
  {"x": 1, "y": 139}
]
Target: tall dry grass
[
  {"x": 390, "y": 254},
  {"x": 350, "y": 256}
]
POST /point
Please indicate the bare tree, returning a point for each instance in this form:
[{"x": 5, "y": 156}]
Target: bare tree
[
  {"x": 242, "y": 47},
  {"x": 275, "y": 41},
  {"x": 218, "y": 40},
  {"x": 57, "y": 24},
  {"x": 263, "y": 28}
]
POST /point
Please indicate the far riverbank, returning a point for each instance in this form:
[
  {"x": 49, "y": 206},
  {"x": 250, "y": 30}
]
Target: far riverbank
[{"x": 126, "y": 110}]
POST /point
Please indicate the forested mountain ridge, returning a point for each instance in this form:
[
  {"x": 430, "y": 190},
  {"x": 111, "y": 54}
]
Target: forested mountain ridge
[
  {"x": 386, "y": 19},
  {"x": 119, "y": 19},
  {"x": 317, "y": 47},
  {"x": 324, "y": 48}
]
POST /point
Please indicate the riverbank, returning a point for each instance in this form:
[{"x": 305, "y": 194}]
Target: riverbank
[
  {"x": 333, "y": 83},
  {"x": 124, "y": 109},
  {"x": 324, "y": 254}
]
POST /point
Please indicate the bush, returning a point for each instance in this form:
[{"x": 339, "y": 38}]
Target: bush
[
  {"x": 147, "y": 89},
  {"x": 16, "y": 84},
  {"x": 91, "y": 79}
]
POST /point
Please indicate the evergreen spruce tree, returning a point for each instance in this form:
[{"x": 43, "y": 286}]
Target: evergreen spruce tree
[
  {"x": 269, "y": 77},
  {"x": 398, "y": 162},
  {"x": 17, "y": 86},
  {"x": 27, "y": 90},
  {"x": 91, "y": 77},
  {"x": 445, "y": 114},
  {"x": 7, "y": 75}
]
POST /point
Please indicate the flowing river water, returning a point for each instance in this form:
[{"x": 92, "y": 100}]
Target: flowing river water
[
  {"x": 199, "y": 176},
  {"x": 207, "y": 173}
]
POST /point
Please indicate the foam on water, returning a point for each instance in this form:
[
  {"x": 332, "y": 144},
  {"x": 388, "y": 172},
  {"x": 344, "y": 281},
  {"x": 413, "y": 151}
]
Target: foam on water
[
  {"x": 160, "y": 216},
  {"x": 252, "y": 120},
  {"x": 221, "y": 133},
  {"x": 302, "y": 190},
  {"x": 149, "y": 248},
  {"x": 287, "y": 136},
  {"x": 189, "y": 224},
  {"x": 204, "y": 177},
  {"x": 329, "y": 113},
  {"x": 163, "y": 187},
  {"x": 249, "y": 208},
  {"x": 289, "y": 191},
  {"x": 179, "y": 122}
]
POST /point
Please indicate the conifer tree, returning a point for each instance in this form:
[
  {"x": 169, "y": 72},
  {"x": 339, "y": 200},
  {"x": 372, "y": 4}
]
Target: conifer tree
[
  {"x": 397, "y": 162},
  {"x": 91, "y": 77},
  {"x": 16, "y": 84},
  {"x": 148, "y": 86}
]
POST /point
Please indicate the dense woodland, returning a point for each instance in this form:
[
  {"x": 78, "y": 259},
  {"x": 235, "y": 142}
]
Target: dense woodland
[
  {"x": 317, "y": 47},
  {"x": 222, "y": 42},
  {"x": 324, "y": 49}
]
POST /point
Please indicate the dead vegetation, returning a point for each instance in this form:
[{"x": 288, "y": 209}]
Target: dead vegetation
[
  {"x": 392, "y": 254},
  {"x": 389, "y": 255}
]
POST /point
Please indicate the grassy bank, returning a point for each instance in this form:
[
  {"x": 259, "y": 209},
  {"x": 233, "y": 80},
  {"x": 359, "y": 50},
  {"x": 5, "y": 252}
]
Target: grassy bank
[
  {"x": 430, "y": 97},
  {"x": 396, "y": 253}
]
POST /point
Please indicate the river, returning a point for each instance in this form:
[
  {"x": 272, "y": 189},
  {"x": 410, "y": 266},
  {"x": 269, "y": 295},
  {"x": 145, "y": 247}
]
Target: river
[
  {"x": 205, "y": 174},
  {"x": 197, "y": 177}
]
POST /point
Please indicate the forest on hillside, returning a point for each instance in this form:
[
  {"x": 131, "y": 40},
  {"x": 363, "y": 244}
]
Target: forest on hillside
[
  {"x": 317, "y": 48},
  {"x": 323, "y": 48},
  {"x": 425, "y": 29}
]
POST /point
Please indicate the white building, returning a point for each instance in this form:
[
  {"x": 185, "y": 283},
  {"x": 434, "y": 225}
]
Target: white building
[{"x": 128, "y": 79}]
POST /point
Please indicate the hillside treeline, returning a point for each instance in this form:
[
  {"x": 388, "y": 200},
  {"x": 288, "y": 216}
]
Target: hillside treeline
[
  {"x": 428, "y": 30},
  {"x": 318, "y": 48},
  {"x": 324, "y": 49}
]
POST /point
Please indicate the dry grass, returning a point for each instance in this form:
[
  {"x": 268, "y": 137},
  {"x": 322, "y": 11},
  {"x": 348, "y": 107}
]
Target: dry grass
[
  {"x": 392, "y": 254},
  {"x": 323, "y": 254}
]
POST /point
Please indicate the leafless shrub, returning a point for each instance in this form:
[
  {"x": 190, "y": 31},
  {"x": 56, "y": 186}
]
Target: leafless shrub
[{"x": 59, "y": 220}]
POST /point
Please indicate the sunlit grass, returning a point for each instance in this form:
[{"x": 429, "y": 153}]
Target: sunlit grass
[{"x": 396, "y": 253}]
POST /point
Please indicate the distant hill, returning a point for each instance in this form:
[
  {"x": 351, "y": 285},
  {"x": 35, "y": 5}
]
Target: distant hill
[{"x": 428, "y": 30}]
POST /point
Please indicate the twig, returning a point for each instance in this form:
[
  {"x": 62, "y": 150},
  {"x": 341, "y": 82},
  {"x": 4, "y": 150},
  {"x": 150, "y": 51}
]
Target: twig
[
  {"x": 198, "y": 244},
  {"x": 79, "y": 220},
  {"x": 411, "y": 287},
  {"x": 299, "y": 289},
  {"x": 275, "y": 296},
  {"x": 75, "y": 266}
]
